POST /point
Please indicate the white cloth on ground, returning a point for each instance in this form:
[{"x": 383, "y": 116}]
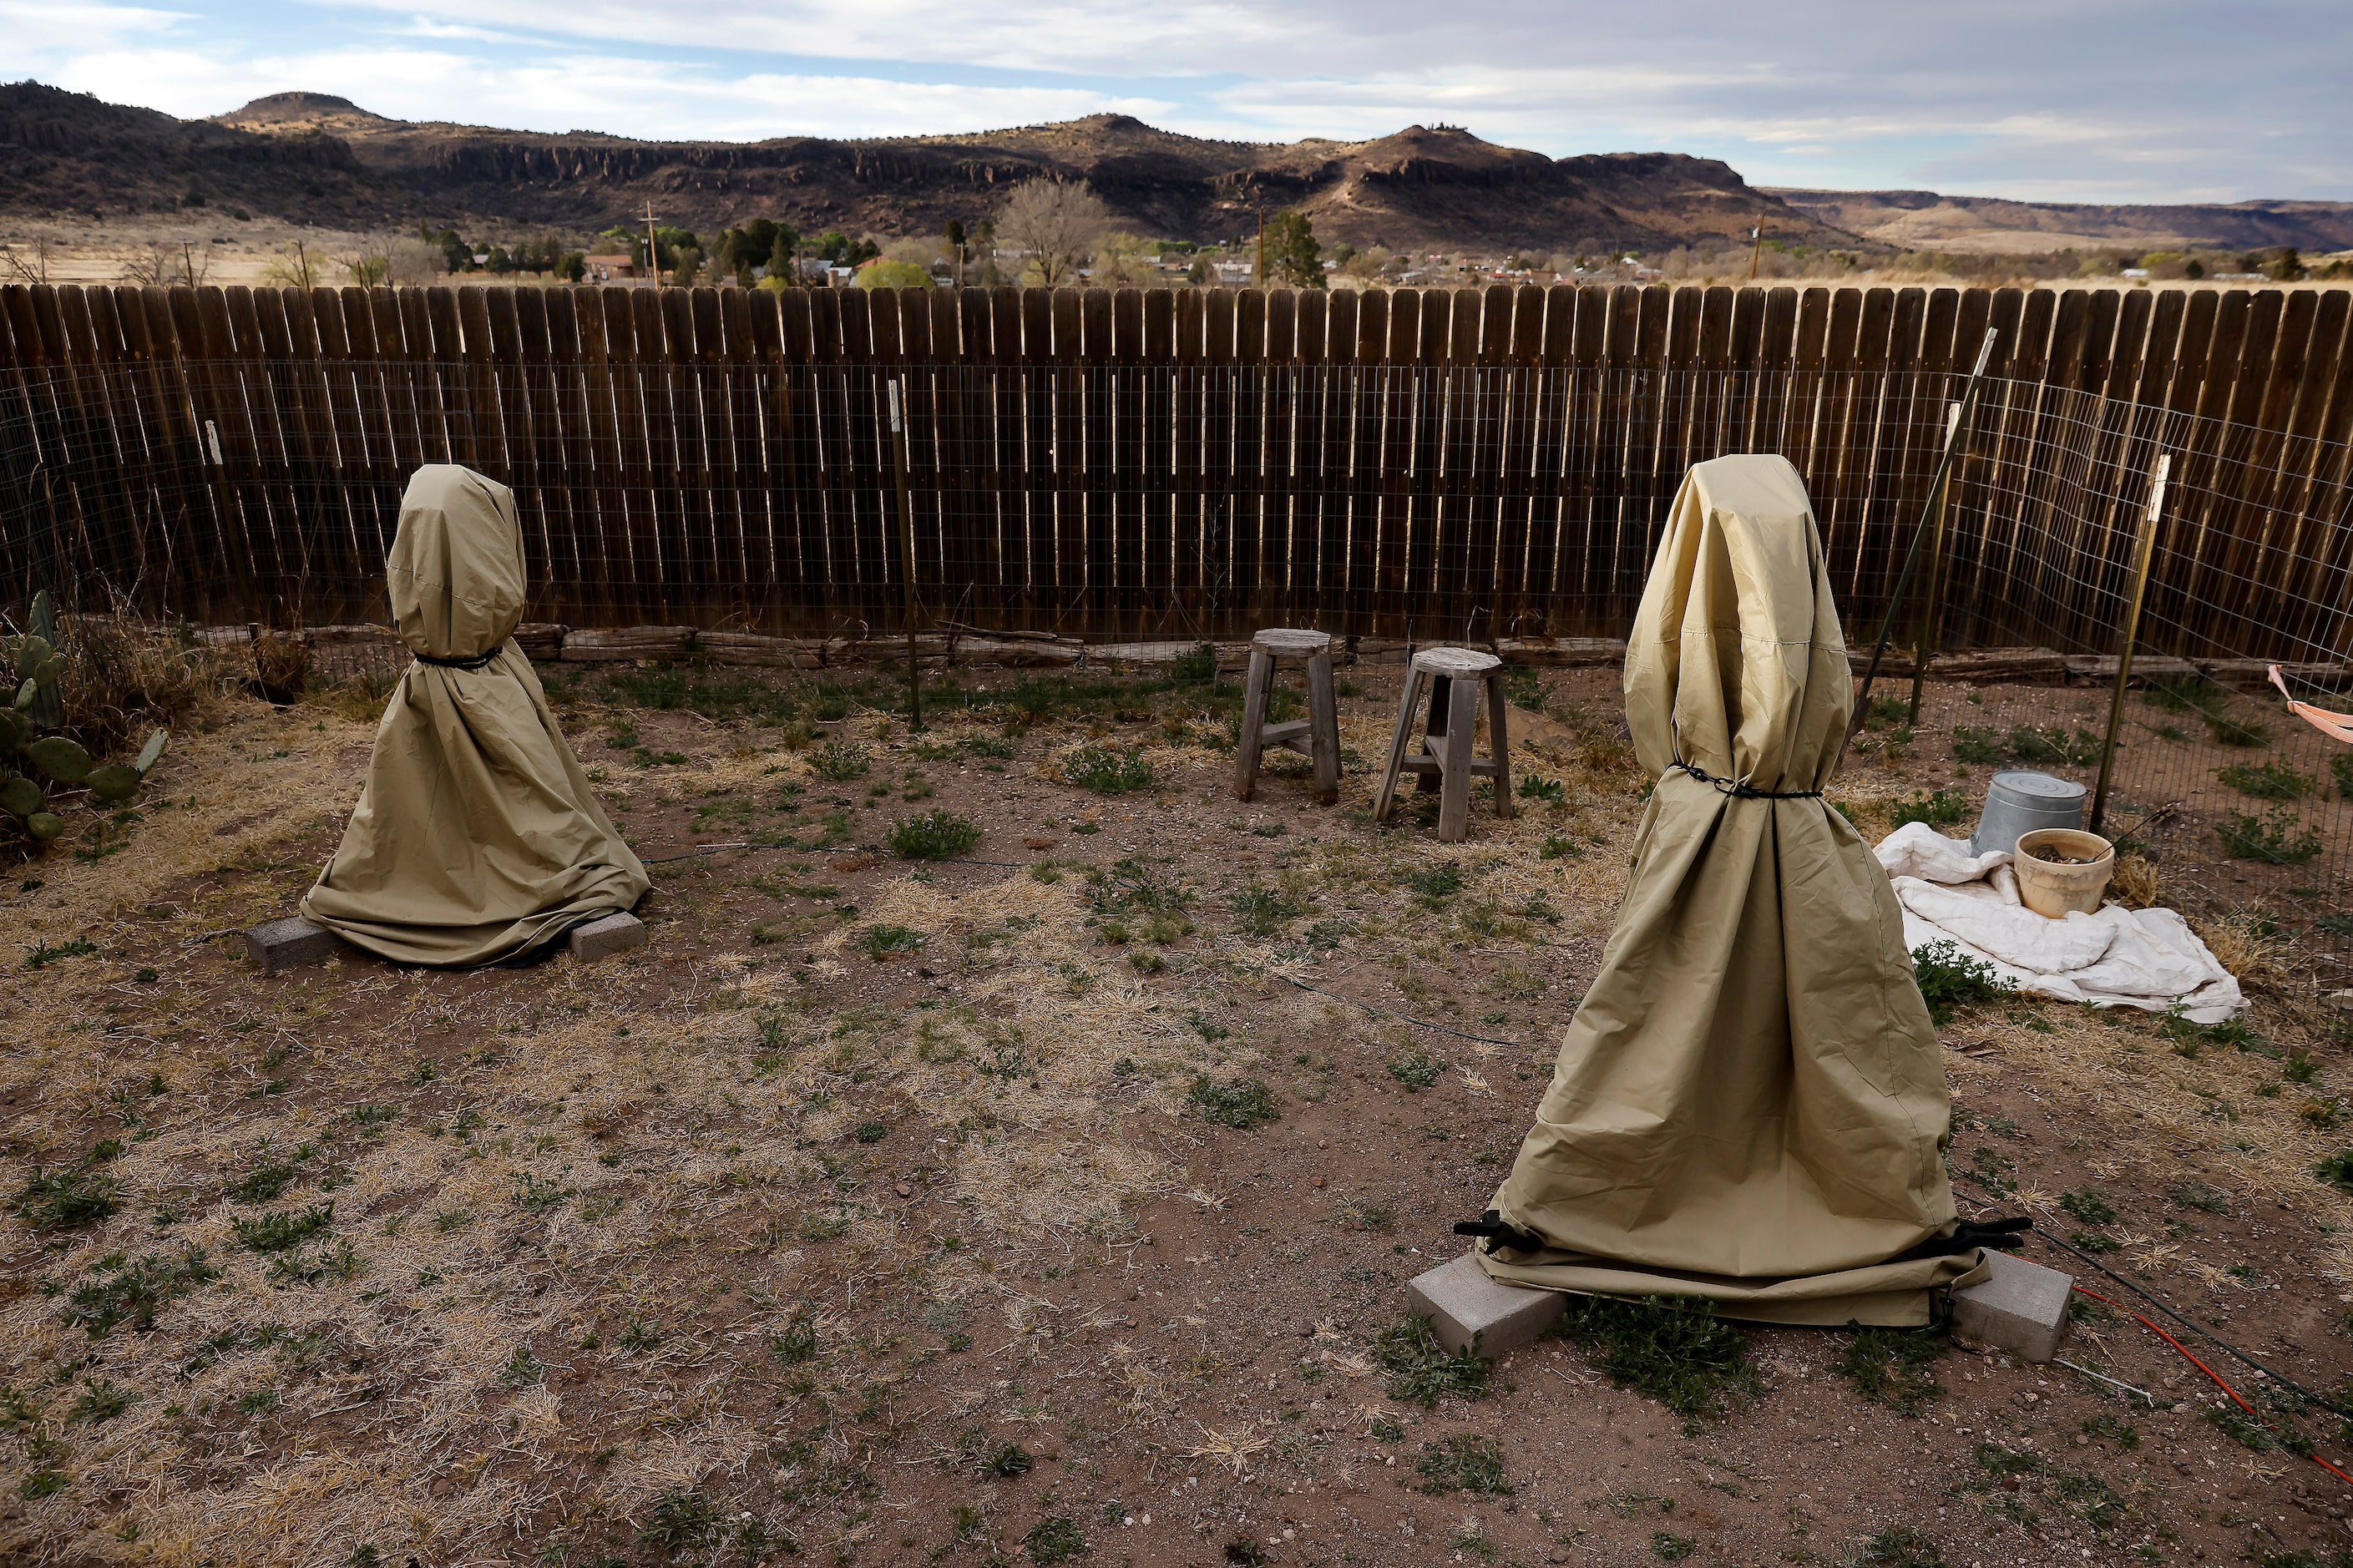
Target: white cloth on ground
[{"x": 2116, "y": 958}]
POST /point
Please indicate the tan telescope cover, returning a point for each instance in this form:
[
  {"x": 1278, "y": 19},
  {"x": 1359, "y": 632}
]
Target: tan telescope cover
[
  {"x": 1749, "y": 1105},
  {"x": 475, "y": 838}
]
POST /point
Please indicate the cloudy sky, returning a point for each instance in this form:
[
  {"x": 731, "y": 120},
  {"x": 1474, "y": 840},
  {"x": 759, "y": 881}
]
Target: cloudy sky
[{"x": 2062, "y": 100}]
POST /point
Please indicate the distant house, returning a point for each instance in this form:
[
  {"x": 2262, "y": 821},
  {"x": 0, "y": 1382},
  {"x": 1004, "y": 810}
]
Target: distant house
[{"x": 604, "y": 269}]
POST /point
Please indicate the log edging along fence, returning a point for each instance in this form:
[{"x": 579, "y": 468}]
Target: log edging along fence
[{"x": 1161, "y": 463}]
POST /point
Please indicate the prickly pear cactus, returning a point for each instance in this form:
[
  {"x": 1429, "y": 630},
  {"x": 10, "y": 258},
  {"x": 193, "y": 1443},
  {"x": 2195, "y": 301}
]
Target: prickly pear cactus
[{"x": 28, "y": 748}]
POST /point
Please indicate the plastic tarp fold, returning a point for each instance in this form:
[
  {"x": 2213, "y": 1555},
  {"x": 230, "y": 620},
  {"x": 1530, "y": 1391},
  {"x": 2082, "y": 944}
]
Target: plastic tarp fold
[
  {"x": 1749, "y": 1105},
  {"x": 477, "y": 836}
]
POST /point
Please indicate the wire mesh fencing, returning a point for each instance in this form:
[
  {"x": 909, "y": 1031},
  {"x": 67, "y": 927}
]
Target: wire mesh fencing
[{"x": 1161, "y": 500}]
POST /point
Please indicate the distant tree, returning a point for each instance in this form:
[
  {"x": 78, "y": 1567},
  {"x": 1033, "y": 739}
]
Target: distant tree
[
  {"x": 2287, "y": 266},
  {"x": 2194, "y": 269},
  {"x": 1053, "y": 225},
  {"x": 1292, "y": 253},
  {"x": 953, "y": 233},
  {"x": 1120, "y": 258},
  {"x": 571, "y": 265},
  {"x": 1200, "y": 273},
  {"x": 882, "y": 274},
  {"x": 686, "y": 264}
]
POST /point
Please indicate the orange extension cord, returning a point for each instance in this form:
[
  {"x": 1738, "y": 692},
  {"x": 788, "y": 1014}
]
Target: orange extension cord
[{"x": 2209, "y": 1371}]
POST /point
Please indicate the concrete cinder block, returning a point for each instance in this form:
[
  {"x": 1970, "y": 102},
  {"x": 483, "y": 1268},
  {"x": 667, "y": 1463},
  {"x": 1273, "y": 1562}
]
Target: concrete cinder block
[
  {"x": 1465, "y": 1307},
  {"x": 604, "y": 938},
  {"x": 282, "y": 944},
  {"x": 2023, "y": 1309}
]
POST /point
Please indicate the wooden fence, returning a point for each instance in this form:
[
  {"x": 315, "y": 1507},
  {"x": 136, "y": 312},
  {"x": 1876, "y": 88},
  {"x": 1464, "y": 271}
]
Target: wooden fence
[{"x": 1152, "y": 463}]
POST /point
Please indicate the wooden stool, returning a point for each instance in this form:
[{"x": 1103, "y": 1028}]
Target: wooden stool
[
  {"x": 1453, "y": 675},
  {"x": 1317, "y": 736}
]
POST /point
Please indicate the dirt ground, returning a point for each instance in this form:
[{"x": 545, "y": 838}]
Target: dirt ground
[{"x": 884, "y": 1210}]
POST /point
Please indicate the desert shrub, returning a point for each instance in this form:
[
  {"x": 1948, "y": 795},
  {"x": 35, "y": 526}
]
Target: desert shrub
[
  {"x": 939, "y": 835},
  {"x": 125, "y": 676},
  {"x": 2268, "y": 780},
  {"x": 1668, "y": 1348},
  {"x": 1950, "y": 980},
  {"x": 2277, "y": 838},
  {"x": 1243, "y": 1104}
]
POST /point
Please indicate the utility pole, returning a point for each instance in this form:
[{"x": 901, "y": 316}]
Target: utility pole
[
  {"x": 1757, "y": 251},
  {"x": 653, "y": 257},
  {"x": 188, "y": 260},
  {"x": 1259, "y": 277}
]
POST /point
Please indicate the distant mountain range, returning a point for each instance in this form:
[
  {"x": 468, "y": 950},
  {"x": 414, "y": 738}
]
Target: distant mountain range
[
  {"x": 1924, "y": 220},
  {"x": 310, "y": 157}
]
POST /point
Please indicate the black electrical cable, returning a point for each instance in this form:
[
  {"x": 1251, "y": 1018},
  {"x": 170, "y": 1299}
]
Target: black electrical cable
[{"x": 2194, "y": 1328}]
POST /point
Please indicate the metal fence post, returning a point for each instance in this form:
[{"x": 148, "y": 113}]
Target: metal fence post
[
  {"x": 2142, "y": 554},
  {"x": 899, "y": 416},
  {"x": 1912, "y": 555},
  {"x": 1924, "y": 647}
]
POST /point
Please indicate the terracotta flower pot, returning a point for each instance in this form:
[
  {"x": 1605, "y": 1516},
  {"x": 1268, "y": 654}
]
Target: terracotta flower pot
[{"x": 2051, "y": 888}]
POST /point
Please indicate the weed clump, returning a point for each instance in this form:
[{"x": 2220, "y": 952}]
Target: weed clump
[
  {"x": 1416, "y": 1069},
  {"x": 2268, "y": 780},
  {"x": 1055, "y": 1540},
  {"x": 936, "y": 835},
  {"x": 1950, "y": 980},
  {"x": 1903, "y": 1546},
  {"x": 1107, "y": 770},
  {"x": 1942, "y": 809},
  {"x": 1261, "y": 910},
  {"x": 1422, "y": 1370},
  {"x": 1668, "y": 1348},
  {"x": 838, "y": 760},
  {"x": 2336, "y": 1171},
  {"x": 133, "y": 1293},
  {"x": 1890, "y": 1367},
  {"x": 2276, "y": 838},
  {"x": 1465, "y": 1462},
  {"x": 65, "y": 1200},
  {"x": 1244, "y": 1104},
  {"x": 282, "y": 1228},
  {"x": 879, "y": 943}
]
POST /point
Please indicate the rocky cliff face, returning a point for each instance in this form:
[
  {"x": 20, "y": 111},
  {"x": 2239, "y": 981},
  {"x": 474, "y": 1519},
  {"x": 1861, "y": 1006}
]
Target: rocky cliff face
[{"x": 317, "y": 158}]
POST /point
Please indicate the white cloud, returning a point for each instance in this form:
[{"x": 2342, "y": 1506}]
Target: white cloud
[
  {"x": 2136, "y": 100},
  {"x": 36, "y": 29},
  {"x": 607, "y": 92}
]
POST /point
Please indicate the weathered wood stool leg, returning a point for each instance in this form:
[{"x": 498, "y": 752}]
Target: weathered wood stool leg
[
  {"x": 1441, "y": 700},
  {"x": 1251, "y": 740},
  {"x": 1323, "y": 727},
  {"x": 1454, "y": 763},
  {"x": 1407, "y": 701},
  {"x": 1499, "y": 743}
]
